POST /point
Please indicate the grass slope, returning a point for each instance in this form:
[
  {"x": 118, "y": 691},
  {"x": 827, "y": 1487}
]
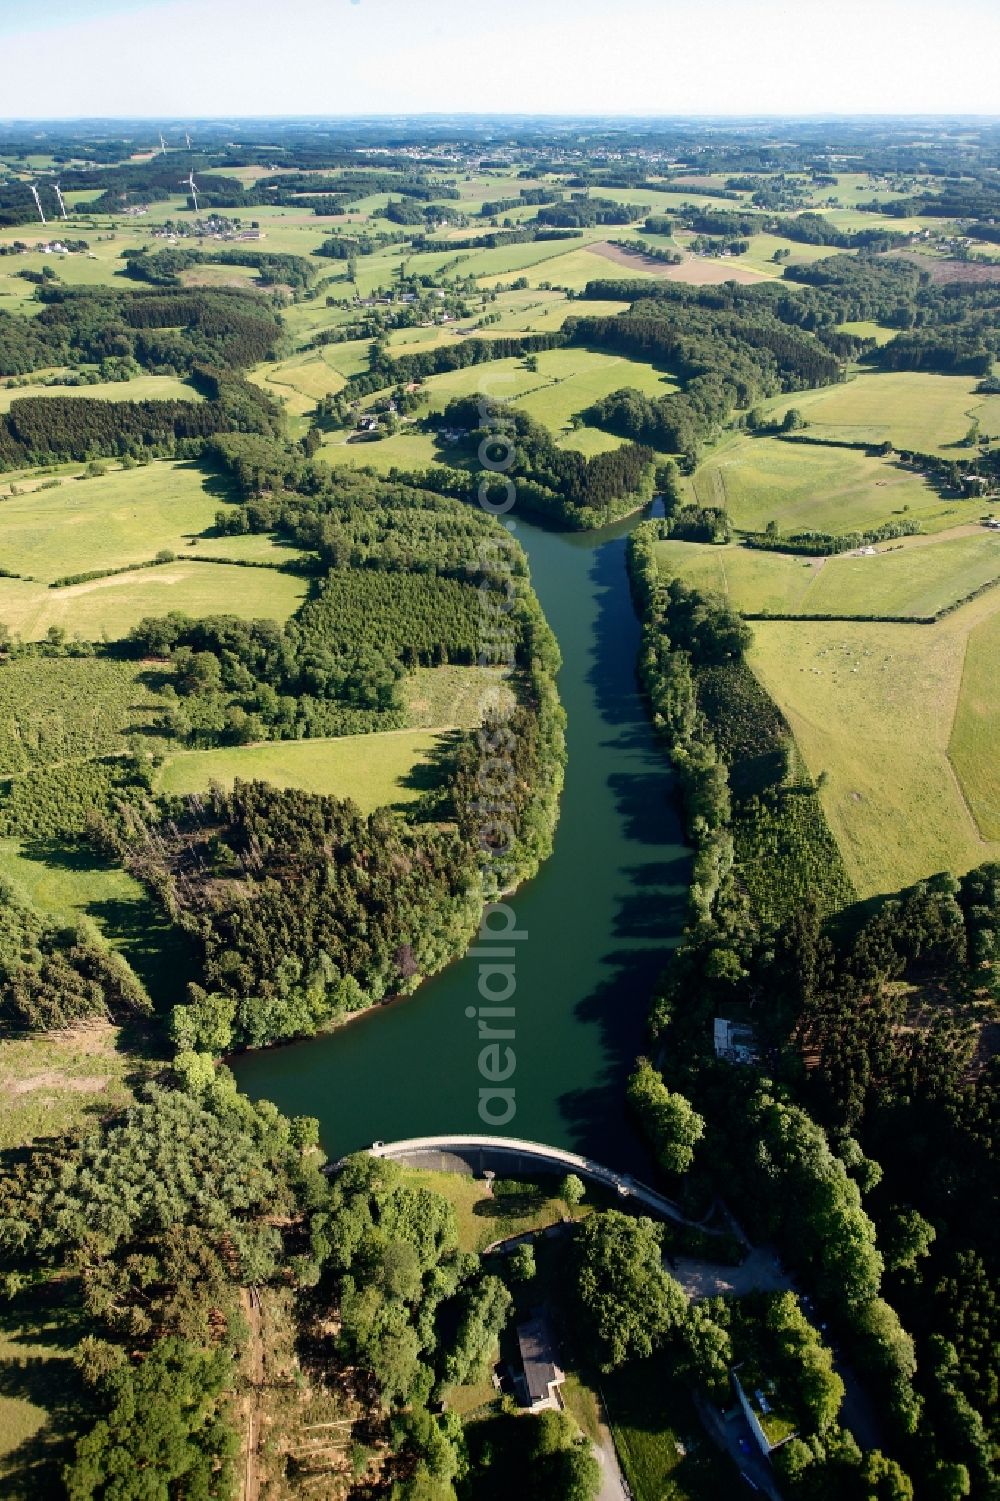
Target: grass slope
[
  {"x": 125, "y": 516},
  {"x": 811, "y": 488},
  {"x": 912, "y": 409},
  {"x": 108, "y": 608},
  {"x": 140, "y": 388},
  {"x": 872, "y": 706},
  {"x": 919, "y": 576},
  {"x": 374, "y": 770},
  {"x": 976, "y": 732}
]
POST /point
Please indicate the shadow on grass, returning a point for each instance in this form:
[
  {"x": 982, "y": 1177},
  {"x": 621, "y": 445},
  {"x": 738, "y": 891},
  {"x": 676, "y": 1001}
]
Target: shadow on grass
[
  {"x": 50, "y": 1317},
  {"x": 431, "y": 780},
  {"x": 528, "y": 1199},
  {"x": 161, "y": 953}
]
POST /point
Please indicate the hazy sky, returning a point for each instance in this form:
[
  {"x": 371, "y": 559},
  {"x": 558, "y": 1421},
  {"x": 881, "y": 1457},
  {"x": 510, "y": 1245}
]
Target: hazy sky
[{"x": 223, "y": 57}]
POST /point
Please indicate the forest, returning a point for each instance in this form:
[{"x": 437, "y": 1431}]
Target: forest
[
  {"x": 160, "y": 328},
  {"x": 857, "y": 1146}
]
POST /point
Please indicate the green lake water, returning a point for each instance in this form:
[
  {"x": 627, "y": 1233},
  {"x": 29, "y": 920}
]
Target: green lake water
[{"x": 600, "y": 919}]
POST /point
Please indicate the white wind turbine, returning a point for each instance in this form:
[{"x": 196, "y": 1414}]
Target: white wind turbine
[{"x": 188, "y": 182}]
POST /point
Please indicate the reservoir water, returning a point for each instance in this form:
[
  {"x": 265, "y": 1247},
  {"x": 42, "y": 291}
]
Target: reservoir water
[{"x": 600, "y": 919}]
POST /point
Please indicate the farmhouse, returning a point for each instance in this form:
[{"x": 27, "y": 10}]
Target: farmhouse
[{"x": 542, "y": 1376}]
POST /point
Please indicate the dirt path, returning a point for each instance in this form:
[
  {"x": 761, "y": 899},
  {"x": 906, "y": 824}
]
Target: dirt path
[
  {"x": 613, "y": 1484},
  {"x": 250, "y": 1298}
]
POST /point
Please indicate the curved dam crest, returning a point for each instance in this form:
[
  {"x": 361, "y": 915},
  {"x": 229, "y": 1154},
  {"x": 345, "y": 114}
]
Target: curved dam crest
[{"x": 599, "y": 918}]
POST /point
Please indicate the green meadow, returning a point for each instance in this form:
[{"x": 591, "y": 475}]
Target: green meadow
[
  {"x": 565, "y": 382},
  {"x": 108, "y": 608},
  {"x": 124, "y": 516},
  {"x": 72, "y": 884},
  {"x": 910, "y": 409},
  {"x": 407, "y": 449},
  {"x": 804, "y": 487},
  {"x": 975, "y": 735},
  {"x": 139, "y": 388},
  {"x": 912, "y": 577},
  {"x": 879, "y": 709},
  {"x": 374, "y": 770}
]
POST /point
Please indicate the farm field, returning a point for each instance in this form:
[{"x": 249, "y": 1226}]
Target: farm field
[
  {"x": 248, "y": 547},
  {"x": 900, "y": 579},
  {"x": 298, "y": 384},
  {"x": 910, "y": 409},
  {"x": 374, "y": 770},
  {"x": 975, "y": 736},
  {"x": 209, "y": 275},
  {"x": 762, "y": 247},
  {"x": 108, "y": 521},
  {"x": 589, "y": 440},
  {"x": 406, "y": 449},
  {"x": 751, "y": 580},
  {"x": 865, "y": 329},
  {"x": 873, "y": 706},
  {"x": 697, "y": 270},
  {"x": 805, "y": 487},
  {"x": 139, "y": 388},
  {"x": 108, "y": 608},
  {"x": 566, "y": 381}
]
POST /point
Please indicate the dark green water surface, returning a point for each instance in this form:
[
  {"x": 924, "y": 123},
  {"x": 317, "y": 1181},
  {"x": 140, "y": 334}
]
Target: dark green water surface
[{"x": 600, "y": 919}]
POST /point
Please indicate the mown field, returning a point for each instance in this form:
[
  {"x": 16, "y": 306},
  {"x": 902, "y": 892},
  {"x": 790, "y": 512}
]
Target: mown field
[
  {"x": 374, "y": 770},
  {"x": 914, "y": 576},
  {"x": 377, "y": 770},
  {"x": 124, "y": 516},
  {"x": 565, "y": 382},
  {"x": 301, "y": 380},
  {"x": 139, "y": 388},
  {"x": 805, "y": 487},
  {"x": 407, "y": 449},
  {"x": 108, "y": 608},
  {"x": 975, "y": 735},
  {"x": 873, "y": 706},
  {"x": 910, "y": 409}
]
